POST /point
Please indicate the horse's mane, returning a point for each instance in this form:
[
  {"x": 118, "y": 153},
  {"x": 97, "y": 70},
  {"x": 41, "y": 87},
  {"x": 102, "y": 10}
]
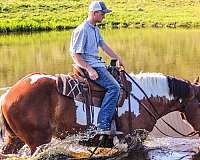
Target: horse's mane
[
  {"x": 158, "y": 81},
  {"x": 178, "y": 87}
]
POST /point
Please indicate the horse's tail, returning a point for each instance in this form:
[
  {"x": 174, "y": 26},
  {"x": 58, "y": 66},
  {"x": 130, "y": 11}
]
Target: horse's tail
[{"x": 2, "y": 119}]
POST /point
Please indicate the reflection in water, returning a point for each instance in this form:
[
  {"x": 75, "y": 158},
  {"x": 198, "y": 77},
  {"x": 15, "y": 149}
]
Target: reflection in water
[{"x": 173, "y": 52}]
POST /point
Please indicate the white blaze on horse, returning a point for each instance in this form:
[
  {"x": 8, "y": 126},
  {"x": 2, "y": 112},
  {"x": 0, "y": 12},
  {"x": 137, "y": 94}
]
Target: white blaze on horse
[{"x": 34, "y": 111}]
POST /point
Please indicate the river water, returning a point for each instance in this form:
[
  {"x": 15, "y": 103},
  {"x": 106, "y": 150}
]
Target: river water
[{"x": 172, "y": 52}]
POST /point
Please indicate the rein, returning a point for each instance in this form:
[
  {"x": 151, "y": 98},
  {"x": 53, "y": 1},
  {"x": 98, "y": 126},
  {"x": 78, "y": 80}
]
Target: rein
[{"x": 154, "y": 108}]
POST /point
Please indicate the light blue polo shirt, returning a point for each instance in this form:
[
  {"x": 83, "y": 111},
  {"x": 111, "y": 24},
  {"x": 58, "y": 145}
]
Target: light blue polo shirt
[{"x": 86, "y": 40}]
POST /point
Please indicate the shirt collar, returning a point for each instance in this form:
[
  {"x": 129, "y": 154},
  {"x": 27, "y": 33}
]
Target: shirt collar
[{"x": 88, "y": 23}]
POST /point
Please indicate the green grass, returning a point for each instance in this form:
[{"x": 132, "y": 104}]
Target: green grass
[{"x": 37, "y": 15}]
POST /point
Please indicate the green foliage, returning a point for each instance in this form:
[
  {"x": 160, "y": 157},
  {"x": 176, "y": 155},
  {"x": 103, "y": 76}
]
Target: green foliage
[{"x": 21, "y": 15}]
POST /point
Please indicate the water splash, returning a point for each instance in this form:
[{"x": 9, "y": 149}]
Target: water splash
[{"x": 157, "y": 148}]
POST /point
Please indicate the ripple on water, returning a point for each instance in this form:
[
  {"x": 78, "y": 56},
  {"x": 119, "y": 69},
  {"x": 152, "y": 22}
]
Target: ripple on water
[{"x": 172, "y": 148}]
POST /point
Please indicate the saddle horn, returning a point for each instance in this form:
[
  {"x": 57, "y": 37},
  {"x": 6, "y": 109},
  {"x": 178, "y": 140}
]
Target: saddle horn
[{"x": 196, "y": 80}]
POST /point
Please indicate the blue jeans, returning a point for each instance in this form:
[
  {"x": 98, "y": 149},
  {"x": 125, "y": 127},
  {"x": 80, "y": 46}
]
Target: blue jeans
[{"x": 109, "y": 103}]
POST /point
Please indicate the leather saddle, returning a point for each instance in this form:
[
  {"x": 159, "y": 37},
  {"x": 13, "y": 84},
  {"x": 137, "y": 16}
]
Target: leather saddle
[
  {"x": 96, "y": 93},
  {"x": 78, "y": 86}
]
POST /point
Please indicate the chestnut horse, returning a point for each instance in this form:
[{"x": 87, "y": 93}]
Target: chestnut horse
[{"x": 33, "y": 111}]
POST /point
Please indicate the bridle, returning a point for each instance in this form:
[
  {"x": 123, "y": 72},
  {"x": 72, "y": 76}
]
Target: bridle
[{"x": 155, "y": 114}]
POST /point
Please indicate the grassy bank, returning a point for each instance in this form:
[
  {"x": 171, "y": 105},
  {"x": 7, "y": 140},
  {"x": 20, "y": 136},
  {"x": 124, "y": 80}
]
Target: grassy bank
[{"x": 31, "y": 15}]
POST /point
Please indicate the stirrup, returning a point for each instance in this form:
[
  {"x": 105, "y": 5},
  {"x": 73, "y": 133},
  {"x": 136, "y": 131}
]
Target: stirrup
[
  {"x": 109, "y": 132},
  {"x": 112, "y": 131}
]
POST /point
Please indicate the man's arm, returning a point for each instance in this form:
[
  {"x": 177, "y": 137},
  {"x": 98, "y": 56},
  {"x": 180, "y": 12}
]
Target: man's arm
[
  {"x": 112, "y": 54},
  {"x": 80, "y": 62}
]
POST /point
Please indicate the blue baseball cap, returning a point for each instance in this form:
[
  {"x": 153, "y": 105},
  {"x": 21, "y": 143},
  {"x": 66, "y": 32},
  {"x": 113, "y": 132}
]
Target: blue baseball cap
[{"x": 99, "y": 6}]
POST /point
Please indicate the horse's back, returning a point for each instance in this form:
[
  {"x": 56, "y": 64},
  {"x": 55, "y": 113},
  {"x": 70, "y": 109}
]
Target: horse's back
[{"x": 29, "y": 90}]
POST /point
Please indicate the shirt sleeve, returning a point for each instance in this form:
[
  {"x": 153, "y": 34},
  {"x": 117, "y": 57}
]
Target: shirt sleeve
[{"x": 78, "y": 41}]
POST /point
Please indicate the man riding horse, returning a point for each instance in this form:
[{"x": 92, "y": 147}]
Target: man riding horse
[{"x": 84, "y": 49}]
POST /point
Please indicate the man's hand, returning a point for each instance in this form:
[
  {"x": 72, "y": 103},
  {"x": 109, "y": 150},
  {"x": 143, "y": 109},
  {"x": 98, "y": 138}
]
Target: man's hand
[
  {"x": 92, "y": 73},
  {"x": 121, "y": 63},
  {"x": 112, "y": 54},
  {"x": 80, "y": 62}
]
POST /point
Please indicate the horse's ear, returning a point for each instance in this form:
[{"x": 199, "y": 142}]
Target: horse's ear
[
  {"x": 196, "y": 80},
  {"x": 183, "y": 116}
]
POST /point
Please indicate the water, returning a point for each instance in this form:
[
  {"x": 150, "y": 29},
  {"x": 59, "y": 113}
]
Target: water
[
  {"x": 155, "y": 149},
  {"x": 172, "y": 148},
  {"x": 173, "y": 52}
]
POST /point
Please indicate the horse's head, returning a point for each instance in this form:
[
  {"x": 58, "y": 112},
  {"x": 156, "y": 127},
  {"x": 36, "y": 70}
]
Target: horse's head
[{"x": 191, "y": 109}]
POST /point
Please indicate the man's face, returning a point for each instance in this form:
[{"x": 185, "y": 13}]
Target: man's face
[{"x": 98, "y": 16}]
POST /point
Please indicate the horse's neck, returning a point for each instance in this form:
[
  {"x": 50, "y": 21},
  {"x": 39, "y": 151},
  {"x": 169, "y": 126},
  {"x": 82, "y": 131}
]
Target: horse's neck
[
  {"x": 156, "y": 87},
  {"x": 161, "y": 106}
]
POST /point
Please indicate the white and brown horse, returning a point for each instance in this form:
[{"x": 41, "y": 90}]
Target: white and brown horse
[{"x": 34, "y": 111}]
